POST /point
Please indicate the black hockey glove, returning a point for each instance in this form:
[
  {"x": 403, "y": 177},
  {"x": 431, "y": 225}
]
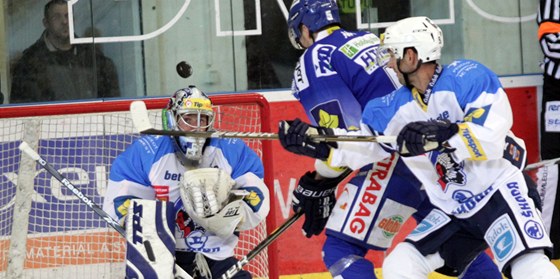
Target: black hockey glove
[
  {"x": 294, "y": 137},
  {"x": 316, "y": 198},
  {"x": 419, "y": 137}
]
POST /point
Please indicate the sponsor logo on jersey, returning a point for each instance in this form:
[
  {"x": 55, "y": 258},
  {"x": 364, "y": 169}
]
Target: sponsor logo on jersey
[
  {"x": 373, "y": 188},
  {"x": 524, "y": 207},
  {"x": 196, "y": 240},
  {"x": 468, "y": 203},
  {"x": 172, "y": 176},
  {"x": 434, "y": 220},
  {"x": 354, "y": 46},
  {"x": 553, "y": 106},
  {"x": 449, "y": 171},
  {"x": 391, "y": 225},
  {"x": 552, "y": 116},
  {"x": 321, "y": 57},
  {"x": 162, "y": 192},
  {"x": 300, "y": 81},
  {"x": 368, "y": 60},
  {"x": 473, "y": 146},
  {"x": 500, "y": 237},
  {"x": 533, "y": 229}
]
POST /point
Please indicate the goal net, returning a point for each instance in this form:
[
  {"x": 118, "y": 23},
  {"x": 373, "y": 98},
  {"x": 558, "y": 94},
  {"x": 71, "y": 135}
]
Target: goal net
[{"x": 46, "y": 231}]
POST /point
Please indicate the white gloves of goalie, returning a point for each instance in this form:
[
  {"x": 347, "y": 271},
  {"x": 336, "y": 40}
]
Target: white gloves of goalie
[{"x": 208, "y": 199}]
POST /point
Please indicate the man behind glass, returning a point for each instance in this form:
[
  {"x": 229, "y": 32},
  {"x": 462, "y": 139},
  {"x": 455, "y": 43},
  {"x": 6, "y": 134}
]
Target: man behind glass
[{"x": 52, "y": 69}]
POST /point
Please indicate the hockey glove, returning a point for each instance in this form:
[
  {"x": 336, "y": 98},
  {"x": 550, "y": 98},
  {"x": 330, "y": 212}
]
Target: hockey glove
[
  {"x": 316, "y": 198},
  {"x": 419, "y": 137},
  {"x": 294, "y": 137}
]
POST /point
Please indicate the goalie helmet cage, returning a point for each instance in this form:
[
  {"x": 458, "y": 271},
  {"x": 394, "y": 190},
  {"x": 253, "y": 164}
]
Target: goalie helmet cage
[{"x": 66, "y": 239}]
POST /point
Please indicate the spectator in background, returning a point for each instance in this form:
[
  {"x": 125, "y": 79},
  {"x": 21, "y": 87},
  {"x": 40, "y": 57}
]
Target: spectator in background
[
  {"x": 52, "y": 69},
  {"x": 549, "y": 37}
]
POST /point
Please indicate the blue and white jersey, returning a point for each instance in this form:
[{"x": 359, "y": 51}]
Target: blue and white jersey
[
  {"x": 336, "y": 77},
  {"x": 466, "y": 93},
  {"x": 149, "y": 169},
  {"x": 334, "y": 80}
]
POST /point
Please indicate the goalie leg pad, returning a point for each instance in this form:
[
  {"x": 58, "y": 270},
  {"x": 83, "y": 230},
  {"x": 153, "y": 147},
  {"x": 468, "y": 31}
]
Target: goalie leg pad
[{"x": 150, "y": 247}]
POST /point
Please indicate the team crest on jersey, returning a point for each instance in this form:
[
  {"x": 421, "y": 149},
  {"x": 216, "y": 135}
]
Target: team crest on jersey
[
  {"x": 254, "y": 199},
  {"x": 449, "y": 171},
  {"x": 477, "y": 115},
  {"x": 184, "y": 223},
  {"x": 329, "y": 115},
  {"x": 321, "y": 57}
]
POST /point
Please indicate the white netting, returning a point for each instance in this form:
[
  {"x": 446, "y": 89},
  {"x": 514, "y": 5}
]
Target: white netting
[{"x": 66, "y": 239}]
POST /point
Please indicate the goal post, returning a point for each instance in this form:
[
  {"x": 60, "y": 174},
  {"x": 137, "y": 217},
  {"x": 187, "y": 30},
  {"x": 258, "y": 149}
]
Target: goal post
[{"x": 46, "y": 232}]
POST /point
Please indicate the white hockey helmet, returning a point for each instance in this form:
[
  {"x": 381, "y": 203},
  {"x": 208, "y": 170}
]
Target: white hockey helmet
[
  {"x": 189, "y": 101},
  {"x": 420, "y": 33}
]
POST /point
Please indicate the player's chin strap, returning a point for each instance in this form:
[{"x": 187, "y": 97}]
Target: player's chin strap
[{"x": 202, "y": 268}]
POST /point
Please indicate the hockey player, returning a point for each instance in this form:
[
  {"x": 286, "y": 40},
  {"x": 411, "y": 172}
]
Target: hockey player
[
  {"x": 451, "y": 123},
  {"x": 215, "y": 185},
  {"x": 334, "y": 79}
]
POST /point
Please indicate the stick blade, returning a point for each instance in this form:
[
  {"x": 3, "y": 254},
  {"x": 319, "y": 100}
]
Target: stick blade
[{"x": 139, "y": 114}]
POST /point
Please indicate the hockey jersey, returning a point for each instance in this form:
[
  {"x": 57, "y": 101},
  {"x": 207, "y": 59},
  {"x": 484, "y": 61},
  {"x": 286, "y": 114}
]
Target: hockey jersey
[
  {"x": 334, "y": 80},
  {"x": 336, "y": 77},
  {"x": 149, "y": 169},
  {"x": 466, "y": 93}
]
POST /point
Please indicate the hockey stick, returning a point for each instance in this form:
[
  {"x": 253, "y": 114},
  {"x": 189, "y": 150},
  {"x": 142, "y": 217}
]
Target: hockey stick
[
  {"x": 542, "y": 164},
  {"x": 270, "y": 238},
  {"x": 261, "y": 246},
  {"x": 142, "y": 123},
  {"x": 181, "y": 274}
]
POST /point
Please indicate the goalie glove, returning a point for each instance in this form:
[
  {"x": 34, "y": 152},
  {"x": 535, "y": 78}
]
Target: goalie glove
[
  {"x": 316, "y": 198},
  {"x": 224, "y": 222},
  {"x": 419, "y": 137},
  {"x": 294, "y": 137},
  {"x": 206, "y": 190}
]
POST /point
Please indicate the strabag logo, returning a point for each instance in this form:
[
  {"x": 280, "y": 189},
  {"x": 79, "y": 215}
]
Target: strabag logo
[{"x": 500, "y": 237}]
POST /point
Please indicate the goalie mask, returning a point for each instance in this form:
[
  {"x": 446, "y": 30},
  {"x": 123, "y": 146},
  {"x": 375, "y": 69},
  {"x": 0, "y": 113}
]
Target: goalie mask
[{"x": 189, "y": 109}]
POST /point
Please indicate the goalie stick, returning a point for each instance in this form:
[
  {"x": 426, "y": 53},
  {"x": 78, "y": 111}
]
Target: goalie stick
[
  {"x": 270, "y": 238},
  {"x": 234, "y": 269},
  {"x": 25, "y": 148},
  {"x": 139, "y": 114}
]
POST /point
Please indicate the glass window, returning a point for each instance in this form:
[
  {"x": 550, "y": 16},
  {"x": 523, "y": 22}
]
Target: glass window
[{"x": 129, "y": 48}]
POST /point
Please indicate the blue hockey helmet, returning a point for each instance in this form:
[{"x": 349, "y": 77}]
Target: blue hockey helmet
[{"x": 315, "y": 14}]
